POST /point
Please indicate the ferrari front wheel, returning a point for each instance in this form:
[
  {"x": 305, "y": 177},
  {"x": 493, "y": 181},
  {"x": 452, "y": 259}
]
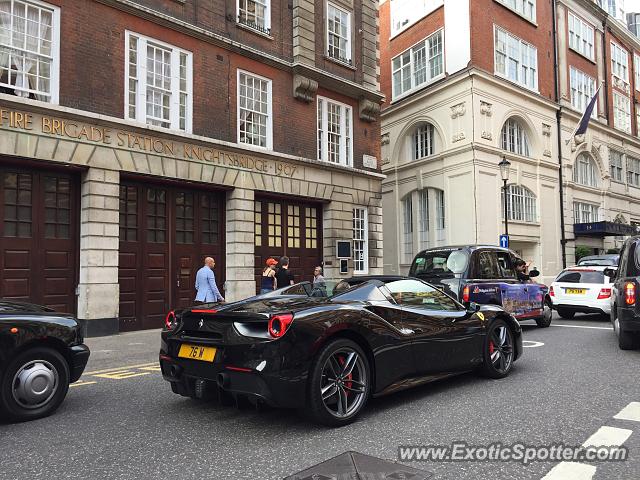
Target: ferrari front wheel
[
  {"x": 339, "y": 383},
  {"x": 498, "y": 350}
]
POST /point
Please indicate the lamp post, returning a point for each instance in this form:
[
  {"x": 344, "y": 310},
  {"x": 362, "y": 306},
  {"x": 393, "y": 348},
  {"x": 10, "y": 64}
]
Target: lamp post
[{"x": 505, "y": 167}]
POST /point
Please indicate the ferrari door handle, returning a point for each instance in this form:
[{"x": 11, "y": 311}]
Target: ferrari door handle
[{"x": 418, "y": 330}]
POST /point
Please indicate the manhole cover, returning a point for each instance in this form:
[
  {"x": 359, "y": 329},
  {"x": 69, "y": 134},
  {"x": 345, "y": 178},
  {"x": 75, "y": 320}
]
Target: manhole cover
[{"x": 356, "y": 466}]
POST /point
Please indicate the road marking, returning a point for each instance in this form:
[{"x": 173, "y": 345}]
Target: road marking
[
  {"x": 608, "y": 437},
  {"x": 531, "y": 344},
  {"x": 581, "y": 326},
  {"x": 571, "y": 471},
  {"x": 630, "y": 412},
  {"x": 154, "y": 368},
  {"x": 80, "y": 384},
  {"x": 121, "y": 374},
  {"x": 117, "y": 369}
]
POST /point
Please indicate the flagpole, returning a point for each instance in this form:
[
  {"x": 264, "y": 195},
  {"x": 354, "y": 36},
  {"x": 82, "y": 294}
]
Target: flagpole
[{"x": 585, "y": 111}]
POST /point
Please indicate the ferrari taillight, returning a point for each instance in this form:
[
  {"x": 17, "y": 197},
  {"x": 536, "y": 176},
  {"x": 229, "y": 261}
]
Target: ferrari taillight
[
  {"x": 604, "y": 293},
  {"x": 551, "y": 292},
  {"x": 630, "y": 293},
  {"x": 279, "y": 324},
  {"x": 465, "y": 294},
  {"x": 170, "y": 321}
]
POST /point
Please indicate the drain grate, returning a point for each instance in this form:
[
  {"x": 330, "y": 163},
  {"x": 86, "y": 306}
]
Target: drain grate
[{"x": 356, "y": 466}]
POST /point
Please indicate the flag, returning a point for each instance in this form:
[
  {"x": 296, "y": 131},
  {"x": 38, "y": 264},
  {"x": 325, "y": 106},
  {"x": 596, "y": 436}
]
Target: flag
[{"x": 584, "y": 121}]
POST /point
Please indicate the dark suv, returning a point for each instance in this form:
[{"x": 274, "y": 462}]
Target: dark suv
[
  {"x": 484, "y": 274},
  {"x": 625, "y": 309}
]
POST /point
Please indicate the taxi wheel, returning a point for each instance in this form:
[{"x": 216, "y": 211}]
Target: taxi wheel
[
  {"x": 33, "y": 385},
  {"x": 547, "y": 313}
]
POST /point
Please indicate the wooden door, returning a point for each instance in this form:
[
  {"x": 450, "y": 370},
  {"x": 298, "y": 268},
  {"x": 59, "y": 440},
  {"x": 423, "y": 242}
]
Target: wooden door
[{"x": 39, "y": 232}]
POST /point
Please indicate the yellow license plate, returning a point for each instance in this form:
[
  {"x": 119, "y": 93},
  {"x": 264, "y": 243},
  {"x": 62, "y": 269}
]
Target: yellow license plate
[
  {"x": 576, "y": 291},
  {"x": 197, "y": 352}
]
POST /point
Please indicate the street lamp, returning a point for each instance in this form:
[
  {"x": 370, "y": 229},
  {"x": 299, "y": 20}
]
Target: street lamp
[{"x": 505, "y": 167}]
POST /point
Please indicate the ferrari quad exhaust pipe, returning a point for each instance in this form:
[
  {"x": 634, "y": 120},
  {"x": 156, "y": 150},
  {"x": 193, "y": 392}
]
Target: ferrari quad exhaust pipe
[{"x": 223, "y": 380}]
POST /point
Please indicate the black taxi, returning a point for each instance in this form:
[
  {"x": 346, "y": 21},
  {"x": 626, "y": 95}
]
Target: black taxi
[{"x": 485, "y": 274}]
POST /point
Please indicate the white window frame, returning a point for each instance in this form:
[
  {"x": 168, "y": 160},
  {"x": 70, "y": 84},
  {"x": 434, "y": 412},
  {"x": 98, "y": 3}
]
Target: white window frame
[
  {"x": 525, "y": 51},
  {"x": 407, "y": 229},
  {"x": 619, "y": 62},
  {"x": 616, "y": 165},
  {"x": 583, "y": 88},
  {"x": 423, "y": 212},
  {"x": 581, "y": 37},
  {"x": 518, "y": 6},
  {"x": 346, "y": 131},
  {"x": 636, "y": 71},
  {"x": 521, "y": 204},
  {"x": 360, "y": 240},
  {"x": 266, "y": 29},
  {"x": 441, "y": 215},
  {"x": 520, "y": 141},
  {"x": 633, "y": 171},
  {"x": 621, "y": 112},
  {"x": 431, "y": 62},
  {"x": 582, "y": 210},
  {"x": 141, "y": 82},
  {"x": 348, "y": 54},
  {"x": 423, "y": 139},
  {"x": 585, "y": 171},
  {"x": 269, "y": 136},
  {"x": 54, "y": 71}
]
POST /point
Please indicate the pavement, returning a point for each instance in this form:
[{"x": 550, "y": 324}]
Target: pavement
[{"x": 121, "y": 420}]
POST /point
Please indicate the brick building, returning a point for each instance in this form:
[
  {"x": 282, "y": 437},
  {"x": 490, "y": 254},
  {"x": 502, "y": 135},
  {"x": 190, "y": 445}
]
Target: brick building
[
  {"x": 468, "y": 83},
  {"x": 138, "y": 136}
]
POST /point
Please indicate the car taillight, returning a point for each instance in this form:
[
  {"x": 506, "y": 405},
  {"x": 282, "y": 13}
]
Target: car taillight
[
  {"x": 279, "y": 324},
  {"x": 465, "y": 294},
  {"x": 630, "y": 293},
  {"x": 170, "y": 321},
  {"x": 551, "y": 292},
  {"x": 604, "y": 293}
]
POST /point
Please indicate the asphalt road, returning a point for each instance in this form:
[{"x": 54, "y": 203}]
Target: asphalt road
[{"x": 122, "y": 421}]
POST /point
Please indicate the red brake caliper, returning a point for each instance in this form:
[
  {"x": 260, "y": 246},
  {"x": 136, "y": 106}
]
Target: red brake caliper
[
  {"x": 491, "y": 347},
  {"x": 349, "y": 377}
]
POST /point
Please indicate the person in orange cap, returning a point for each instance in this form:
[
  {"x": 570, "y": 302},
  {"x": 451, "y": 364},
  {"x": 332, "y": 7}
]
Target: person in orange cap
[{"x": 269, "y": 276}]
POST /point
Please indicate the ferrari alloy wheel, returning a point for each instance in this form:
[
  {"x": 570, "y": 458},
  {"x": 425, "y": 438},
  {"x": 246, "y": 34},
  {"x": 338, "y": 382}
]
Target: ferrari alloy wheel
[
  {"x": 547, "y": 314},
  {"x": 498, "y": 351},
  {"x": 339, "y": 383},
  {"x": 34, "y": 384}
]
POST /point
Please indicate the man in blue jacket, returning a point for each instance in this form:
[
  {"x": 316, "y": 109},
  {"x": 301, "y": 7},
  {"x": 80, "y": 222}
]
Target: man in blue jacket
[{"x": 206, "y": 288}]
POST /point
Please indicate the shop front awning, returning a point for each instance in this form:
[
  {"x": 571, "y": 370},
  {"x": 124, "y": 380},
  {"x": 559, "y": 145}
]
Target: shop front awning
[{"x": 603, "y": 229}]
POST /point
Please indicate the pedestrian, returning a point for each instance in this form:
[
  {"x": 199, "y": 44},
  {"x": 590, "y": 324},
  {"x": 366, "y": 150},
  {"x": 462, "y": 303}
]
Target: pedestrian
[
  {"x": 318, "y": 285},
  {"x": 284, "y": 277},
  {"x": 206, "y": 288},
  {"x": 269, "y": 276},
  {"x": 318, "y": 279}
]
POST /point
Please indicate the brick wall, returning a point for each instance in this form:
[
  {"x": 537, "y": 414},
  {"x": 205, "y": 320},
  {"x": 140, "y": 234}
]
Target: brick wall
[
  {"x": 389, "y": 48},
  {"x": 93, "y": 63},
  {"x": 486, "y": 13}
]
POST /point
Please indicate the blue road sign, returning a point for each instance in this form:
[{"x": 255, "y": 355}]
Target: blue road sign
[{"x": 504, "y": 241}]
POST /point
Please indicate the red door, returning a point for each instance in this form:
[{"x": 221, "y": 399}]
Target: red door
[
  {"x": 288, "y": 228},
  {"x": 165, "y": 233},
  {"x": 39, "y": 232}
]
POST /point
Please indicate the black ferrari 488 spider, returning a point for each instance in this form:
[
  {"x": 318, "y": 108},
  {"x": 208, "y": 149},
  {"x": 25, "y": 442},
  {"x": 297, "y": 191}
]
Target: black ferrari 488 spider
[{"x": 301, "y": 348}]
